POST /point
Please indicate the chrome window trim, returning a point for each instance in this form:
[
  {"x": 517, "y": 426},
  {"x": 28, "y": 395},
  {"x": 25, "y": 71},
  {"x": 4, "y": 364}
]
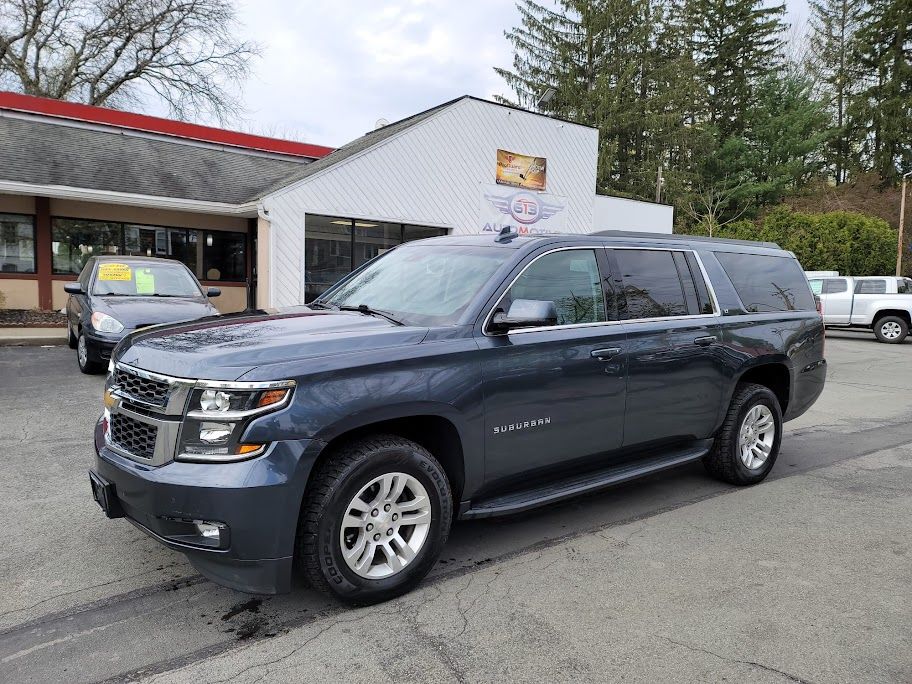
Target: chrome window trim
[{"x": 717, "y": 311}]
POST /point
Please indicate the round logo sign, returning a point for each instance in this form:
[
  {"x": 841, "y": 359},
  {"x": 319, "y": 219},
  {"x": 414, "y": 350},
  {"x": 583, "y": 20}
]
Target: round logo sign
[{"x": 525, "y": 208}]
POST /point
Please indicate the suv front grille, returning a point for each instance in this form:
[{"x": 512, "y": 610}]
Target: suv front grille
[
  {"x": 133, "y": 436},
  {"x": 150, "y": 391}
]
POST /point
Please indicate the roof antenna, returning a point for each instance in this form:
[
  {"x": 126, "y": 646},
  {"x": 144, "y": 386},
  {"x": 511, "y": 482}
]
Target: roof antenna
[{"x": 506, "y": 234}]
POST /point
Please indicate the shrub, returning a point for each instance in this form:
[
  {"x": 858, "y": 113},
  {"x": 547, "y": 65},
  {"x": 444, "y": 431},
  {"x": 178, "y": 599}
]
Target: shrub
[{"x": 844, "y": 241}]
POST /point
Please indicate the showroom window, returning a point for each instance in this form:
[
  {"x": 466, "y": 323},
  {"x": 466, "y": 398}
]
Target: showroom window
[
  {"x": 211, "y": 255},
  {"x": 335, "y": 246},
  {"x": 17, "y": 243},
  {"x": 75, "y": 241}
]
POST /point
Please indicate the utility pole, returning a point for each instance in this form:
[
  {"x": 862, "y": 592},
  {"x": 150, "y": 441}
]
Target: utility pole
[
  {"x": 659, "y": 185},
  {"x": 902, "y": 220}
]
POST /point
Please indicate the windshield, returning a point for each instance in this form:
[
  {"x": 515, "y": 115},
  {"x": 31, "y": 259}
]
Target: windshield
[
  {"x": 420, "y": 284},
  {"x": 145, "y": 279}
]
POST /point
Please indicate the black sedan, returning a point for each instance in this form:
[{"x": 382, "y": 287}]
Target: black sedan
[{"x": 116, "y": 295}]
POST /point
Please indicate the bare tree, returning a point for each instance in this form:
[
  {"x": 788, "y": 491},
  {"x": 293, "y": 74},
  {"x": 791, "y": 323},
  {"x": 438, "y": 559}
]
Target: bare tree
[
  {"x": 712, "y": 206},
  {"x": 117, "y": 53}
]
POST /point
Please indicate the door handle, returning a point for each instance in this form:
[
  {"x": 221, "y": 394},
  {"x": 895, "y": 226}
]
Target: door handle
[
  {"x": 705, "y": 341},
  {"x": 605, "y": 354}
]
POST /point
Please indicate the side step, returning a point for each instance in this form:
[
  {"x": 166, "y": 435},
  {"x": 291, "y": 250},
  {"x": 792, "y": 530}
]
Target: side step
[{"x": 517, "y": 502}]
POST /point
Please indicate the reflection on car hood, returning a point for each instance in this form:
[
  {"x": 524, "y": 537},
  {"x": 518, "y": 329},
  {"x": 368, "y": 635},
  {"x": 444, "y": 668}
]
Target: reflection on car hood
[
  {"x": 141, "y": 311},
  {"x": 226, "y": 347}
]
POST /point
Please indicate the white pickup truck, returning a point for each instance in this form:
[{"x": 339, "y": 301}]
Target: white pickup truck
[{"x": 880, "y": 303}]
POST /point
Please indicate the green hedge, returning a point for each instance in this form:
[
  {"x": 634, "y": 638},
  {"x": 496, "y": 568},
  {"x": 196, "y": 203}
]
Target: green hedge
[{"x": 851, "y": 243}]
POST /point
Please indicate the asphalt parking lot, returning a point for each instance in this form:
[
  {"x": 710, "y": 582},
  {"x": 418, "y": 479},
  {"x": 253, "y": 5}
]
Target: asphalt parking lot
[{"x": 804, "y": 578}]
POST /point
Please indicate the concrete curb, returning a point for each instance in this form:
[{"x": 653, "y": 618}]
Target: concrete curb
[{"x": 18, "y": 336}]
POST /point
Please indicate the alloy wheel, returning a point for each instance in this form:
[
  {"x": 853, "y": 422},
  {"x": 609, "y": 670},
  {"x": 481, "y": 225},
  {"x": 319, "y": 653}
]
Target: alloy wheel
[
  {"x": 385, "y": 525},
  {"x": 756, "y": 437},
  {"x": 891, "y": 330}
]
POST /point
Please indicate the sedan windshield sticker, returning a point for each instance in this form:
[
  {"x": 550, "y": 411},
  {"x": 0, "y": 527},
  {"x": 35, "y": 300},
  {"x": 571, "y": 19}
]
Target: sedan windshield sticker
[
  {"x": 521, "y": 425},
  {"x": 145, "y": 281},
  {"x": 114, "y": 272}
]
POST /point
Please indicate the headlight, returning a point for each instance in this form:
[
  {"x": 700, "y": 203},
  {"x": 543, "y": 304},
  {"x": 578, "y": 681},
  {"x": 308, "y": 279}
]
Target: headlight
[
  {"x": 104, "y": 323},
  {"x": 218, "y": 416}
]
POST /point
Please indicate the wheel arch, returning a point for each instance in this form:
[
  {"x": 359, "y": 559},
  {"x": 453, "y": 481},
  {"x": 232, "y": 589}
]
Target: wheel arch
[
  {"x": 899, "y": 313},
  {"x": 774, "y": 374},
  {"x": 438, "y": 428}
]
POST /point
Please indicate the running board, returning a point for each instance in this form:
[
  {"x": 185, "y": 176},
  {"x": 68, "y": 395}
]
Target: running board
[{"x": 593, "y": 481}]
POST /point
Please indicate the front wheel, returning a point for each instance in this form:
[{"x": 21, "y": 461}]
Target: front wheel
[
  {"x": 747, "y": 445},
  {"x": 891, "y": 329},
  {"x": 86, "y": 365},
  {"x": 374, "y": 520}
]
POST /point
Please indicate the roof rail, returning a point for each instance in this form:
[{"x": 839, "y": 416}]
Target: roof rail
[{"x": 682, "y": 238}]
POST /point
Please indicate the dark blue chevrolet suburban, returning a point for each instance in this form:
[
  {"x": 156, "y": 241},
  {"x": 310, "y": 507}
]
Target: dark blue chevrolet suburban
[{"x": 455, "y": 377}]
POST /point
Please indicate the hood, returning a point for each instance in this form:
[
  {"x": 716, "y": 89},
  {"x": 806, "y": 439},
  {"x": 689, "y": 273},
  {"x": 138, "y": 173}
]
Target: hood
[
  {"x": 227, "y": 347},
  {"x": 142, "y": 311}
]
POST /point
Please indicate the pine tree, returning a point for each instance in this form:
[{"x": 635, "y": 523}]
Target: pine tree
[
  {"x": 883, "y": 46},
  {"x": 735, "y": 43},
  {"x": 836, "y": 67},
  {"x": 604, "y": 60}
]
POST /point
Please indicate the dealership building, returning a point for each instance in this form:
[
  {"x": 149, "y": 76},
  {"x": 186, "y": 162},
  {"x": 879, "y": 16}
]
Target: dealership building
[{"x": 275, "y": 222}]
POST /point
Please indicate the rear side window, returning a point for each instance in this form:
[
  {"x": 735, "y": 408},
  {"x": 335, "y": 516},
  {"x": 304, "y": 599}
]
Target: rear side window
[
  {"x": 768, "y": 283},
  {"x": 651, "y": 284},
  {"x": 816, "y": 286},
  {"x": 835, "y": 286},
  {"x": 871, "y": 287}
]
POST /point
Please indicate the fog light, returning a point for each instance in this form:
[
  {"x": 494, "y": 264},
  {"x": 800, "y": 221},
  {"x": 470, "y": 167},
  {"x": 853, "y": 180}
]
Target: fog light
[
  {"x": 210, "y": 530},
  {"x": 215, "y": 433}
]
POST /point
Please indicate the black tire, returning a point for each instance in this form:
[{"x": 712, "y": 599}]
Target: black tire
[
  {"x": 891, "y": 322},
  {"x": 87, "y": 366},
  {"x": 335, "y": 484},
  {"x": 71, "y": 338},
  {"x": 724, "y": 460}
]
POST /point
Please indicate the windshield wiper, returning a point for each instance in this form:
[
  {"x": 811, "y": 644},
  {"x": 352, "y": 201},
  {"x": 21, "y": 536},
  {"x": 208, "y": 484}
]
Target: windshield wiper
[
  {"x": 365, "y": 309},
  {"x": 322, "y": 305}
]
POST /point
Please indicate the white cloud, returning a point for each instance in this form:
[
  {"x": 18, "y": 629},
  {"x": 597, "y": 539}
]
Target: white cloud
[{"x": 331, "y": 69}]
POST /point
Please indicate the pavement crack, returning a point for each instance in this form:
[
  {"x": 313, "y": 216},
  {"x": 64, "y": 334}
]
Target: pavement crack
[{"x": 735, "y": 661}]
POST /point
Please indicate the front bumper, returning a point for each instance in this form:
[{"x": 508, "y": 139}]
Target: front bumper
[
  {"x": 100, "y": 346},
  {"x": 258, "y": 500}
]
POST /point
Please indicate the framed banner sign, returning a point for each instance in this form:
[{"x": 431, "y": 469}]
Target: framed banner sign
[{"x": 521, "y": 170}]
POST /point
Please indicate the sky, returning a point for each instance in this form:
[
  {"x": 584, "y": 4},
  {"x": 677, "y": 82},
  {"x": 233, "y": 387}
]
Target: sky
[{"x": 330, "y": 70}]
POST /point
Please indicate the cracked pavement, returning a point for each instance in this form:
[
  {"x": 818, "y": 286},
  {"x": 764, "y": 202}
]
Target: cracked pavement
[{"x": 804, "y": 578}]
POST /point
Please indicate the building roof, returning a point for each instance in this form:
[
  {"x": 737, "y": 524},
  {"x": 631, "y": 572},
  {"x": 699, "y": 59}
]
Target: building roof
[
  {"x": 152, "y": 124},
  {"x": 47, "y": 153},
  {"x": 358, "y": 145},
  {"x": 379, "y": 135}
]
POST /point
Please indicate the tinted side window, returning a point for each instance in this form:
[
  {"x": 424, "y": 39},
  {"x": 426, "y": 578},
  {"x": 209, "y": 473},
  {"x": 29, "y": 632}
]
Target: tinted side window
[
  {"x": 768, "y": 283},
  {"x": 871, "y": 287},
  {"x": 570, "y": 279},
  {"x": 651, "y": 285},
  {"x": 703, "y": 299},
  {"x": 835, "y": 286}
]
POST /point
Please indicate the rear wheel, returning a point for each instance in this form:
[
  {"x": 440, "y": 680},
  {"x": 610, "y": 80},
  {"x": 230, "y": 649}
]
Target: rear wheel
[
  {"x": 747, "y": 445},
  {"x": 891, "y": 329},
  {"x": 374, "y": 520}
]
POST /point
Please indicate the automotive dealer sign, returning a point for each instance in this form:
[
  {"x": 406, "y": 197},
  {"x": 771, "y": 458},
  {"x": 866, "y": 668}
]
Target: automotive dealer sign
[{"x": 524, "y": 211}]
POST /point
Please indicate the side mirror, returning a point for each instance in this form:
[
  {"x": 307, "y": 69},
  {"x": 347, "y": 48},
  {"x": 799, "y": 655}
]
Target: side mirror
[
  {"x": 525, "y": 313},
  {"x": 213, "y": 292},
  {"x": 73, "y": 288}
]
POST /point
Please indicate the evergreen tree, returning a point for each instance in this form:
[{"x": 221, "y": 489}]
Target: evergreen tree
[
  {"x": 883, "y": 46},
  {"x": 735, "y": 43},
  {"x": 836, "y": 67}
]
